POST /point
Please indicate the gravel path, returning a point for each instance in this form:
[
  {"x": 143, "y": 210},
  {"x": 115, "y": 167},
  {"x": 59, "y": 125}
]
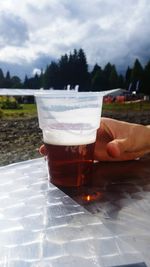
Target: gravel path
[{"x": 21, "y": 138}]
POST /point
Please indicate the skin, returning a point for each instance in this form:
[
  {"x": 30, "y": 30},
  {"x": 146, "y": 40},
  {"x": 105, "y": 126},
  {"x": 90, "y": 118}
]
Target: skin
[{"x": 119, "y": 141}]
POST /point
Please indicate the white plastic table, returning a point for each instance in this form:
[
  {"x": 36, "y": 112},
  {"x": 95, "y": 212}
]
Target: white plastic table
[{"x": 41, "y": 226}]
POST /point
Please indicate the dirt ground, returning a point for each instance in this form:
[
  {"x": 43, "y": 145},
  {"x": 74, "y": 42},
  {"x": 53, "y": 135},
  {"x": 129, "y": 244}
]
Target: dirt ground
[{"x": 21, "y": 138}]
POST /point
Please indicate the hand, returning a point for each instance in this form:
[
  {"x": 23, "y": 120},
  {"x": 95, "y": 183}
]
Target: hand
[{"x": 118, "y": 140}]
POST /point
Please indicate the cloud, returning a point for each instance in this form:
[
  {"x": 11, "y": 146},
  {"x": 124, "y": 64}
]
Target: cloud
[
  {"x": 108, "y": 31},
  {"x": 36, "y": 71},
  {"x": 13, "y": 30}
]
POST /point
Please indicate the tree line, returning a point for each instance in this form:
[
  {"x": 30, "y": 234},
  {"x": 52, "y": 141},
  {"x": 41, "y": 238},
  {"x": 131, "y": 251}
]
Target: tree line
[{"x": 73, "y": 69}]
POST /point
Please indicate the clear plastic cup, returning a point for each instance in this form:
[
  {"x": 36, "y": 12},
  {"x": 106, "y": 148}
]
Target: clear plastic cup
[{"x": 69, "y": 122}]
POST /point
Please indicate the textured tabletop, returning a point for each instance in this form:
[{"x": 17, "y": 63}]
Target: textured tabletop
[{"x": 41, "y": 226}]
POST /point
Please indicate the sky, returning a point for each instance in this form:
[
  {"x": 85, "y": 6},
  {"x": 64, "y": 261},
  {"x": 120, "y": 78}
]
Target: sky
[{"x": 33, "y": 33}]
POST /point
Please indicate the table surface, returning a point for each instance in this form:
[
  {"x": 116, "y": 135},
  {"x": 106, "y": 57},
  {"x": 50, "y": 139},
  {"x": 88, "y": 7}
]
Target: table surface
[{"x": 103, "y": 224}]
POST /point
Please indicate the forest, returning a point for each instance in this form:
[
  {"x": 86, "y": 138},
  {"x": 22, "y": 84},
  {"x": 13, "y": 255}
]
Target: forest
[{"x": 73, "y": 69}]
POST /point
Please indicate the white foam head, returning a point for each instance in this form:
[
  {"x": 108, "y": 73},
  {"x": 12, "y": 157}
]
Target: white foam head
[
  {"x": 69, "y": 119},
  {"x": 69, "y": 138}
]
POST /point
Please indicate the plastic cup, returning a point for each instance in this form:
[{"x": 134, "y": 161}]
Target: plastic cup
[{"x": 69, "y": 122}]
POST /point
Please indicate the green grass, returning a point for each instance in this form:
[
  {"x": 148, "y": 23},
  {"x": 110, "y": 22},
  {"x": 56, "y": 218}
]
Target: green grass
[
  {"x": 27, "y": 111},
  {"x": 30, "y": 110},
  {"x": 127, "y": 106}
]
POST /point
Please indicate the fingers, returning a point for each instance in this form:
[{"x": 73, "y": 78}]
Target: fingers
[
  {"x": 42, "y": 150},
  {"x": 113, "y": 150},
  {"x": 117, "y": 147},
  {"x": 119, "y": 150}
]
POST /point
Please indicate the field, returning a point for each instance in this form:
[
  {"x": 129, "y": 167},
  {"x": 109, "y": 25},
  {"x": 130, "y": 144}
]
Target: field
[
  {"x": 128, "y": 106},
  {"x": 30, "y": 110},
  {"x": 20, "y": 136},
  {"x": 26, "y": 111}
]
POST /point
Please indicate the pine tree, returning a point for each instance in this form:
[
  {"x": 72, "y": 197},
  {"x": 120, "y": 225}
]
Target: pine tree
[
  {"x": 113, "y": 78},
  {"x": 95, "y": 69},
  {"x": 137, "y": 74},
  {"x": 26, "y": 82},
  {"x": 146, "y": 79},
  {"x": 51, "y": 77},
  {"x": 83, "y": 71},
  {"x": 1, "y": 79},
  {"x": 64, "y": 70},
  {"x": 7, "y": 81},
  {"x": 98, "y": 79},
  {"x": 107, "y": 71},
  {"x": 73, "y": 71},
  {"x": 121, "y": 82},
  {"x": 16, "y": 82}
]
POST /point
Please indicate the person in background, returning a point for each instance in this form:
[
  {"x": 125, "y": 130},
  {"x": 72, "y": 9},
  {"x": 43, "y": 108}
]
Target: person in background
[{"x": 119, "y": 141}]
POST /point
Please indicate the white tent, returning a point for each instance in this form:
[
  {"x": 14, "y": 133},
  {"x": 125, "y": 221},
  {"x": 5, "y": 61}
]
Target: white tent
[{"x": 32, "y": 92}]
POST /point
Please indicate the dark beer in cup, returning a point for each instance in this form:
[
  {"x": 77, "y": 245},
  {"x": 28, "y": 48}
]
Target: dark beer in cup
[
  {"x": 70, "y": 165},
  {"x": 69, "y": 122}
]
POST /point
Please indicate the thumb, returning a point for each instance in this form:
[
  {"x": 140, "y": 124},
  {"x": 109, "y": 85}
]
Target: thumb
[{"x": 117, "y": 147}]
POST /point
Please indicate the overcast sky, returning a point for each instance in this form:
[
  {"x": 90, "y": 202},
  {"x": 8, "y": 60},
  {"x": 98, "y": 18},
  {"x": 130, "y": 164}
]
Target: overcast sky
[{"x": 32, "y": 33}]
